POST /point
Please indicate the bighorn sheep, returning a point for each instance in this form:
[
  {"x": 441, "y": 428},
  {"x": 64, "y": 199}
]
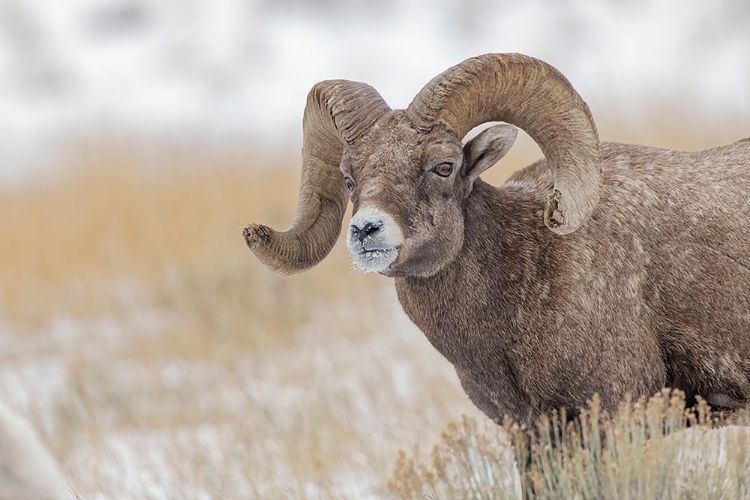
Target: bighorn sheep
[
  {"x": 27, "y": 468},
  {"x": 604, "y": 268}
]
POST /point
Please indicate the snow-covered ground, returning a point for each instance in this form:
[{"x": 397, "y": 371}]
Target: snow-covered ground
[
  {"x": 312, "y": 421},
  {"x": 234, "y": 70}
]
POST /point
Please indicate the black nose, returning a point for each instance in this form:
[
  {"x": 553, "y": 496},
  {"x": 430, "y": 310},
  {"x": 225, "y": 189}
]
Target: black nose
[{"x": 368, "y": 230}]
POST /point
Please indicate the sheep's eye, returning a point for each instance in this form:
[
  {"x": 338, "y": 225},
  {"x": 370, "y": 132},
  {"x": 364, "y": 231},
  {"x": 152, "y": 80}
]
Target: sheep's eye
[
  {"x": 349, "y": 183},
  {"x": 444, "y": 169}
]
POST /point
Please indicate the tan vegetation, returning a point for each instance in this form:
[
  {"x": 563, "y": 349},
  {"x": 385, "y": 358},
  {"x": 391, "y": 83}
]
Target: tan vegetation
[{"x": 654, "y": 449}]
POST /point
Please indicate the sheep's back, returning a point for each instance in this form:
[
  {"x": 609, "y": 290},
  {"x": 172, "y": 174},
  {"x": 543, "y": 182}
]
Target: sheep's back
[{"x": 682, "y": 220}]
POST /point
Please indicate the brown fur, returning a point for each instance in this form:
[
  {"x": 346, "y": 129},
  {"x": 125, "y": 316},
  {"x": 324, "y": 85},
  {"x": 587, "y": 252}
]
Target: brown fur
[{"x": 653, "y": 291}]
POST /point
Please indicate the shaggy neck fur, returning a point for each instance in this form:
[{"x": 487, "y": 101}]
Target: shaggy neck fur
[
  {"x": 463, "y": 292},
  {"x": 495, "y": 312}
]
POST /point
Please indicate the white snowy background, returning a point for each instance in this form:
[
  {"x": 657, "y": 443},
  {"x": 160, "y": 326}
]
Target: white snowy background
[{"x": 239, "y": 70}]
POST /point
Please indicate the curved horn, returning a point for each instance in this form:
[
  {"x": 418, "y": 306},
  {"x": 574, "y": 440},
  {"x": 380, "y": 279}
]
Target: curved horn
[
  {"x": 534, "y": 96},
  {"x": 337, "y": 113}
]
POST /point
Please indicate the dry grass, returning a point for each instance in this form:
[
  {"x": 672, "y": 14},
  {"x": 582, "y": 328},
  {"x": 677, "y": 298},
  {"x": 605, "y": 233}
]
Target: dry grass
[
  {"x": 655, "y": 449},
  {"x": 159, "y": 360},
  {"x": 110, "y": 222}
]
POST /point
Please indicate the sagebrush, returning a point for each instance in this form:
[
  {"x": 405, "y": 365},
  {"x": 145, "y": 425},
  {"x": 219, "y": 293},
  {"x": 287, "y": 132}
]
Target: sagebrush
[{"x": 649, "y": 449}]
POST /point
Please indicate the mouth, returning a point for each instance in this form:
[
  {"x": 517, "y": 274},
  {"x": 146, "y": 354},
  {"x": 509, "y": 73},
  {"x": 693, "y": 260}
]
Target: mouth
[
  {"x": 373, "y": 260},
  {"x": 376, "y": 250}
]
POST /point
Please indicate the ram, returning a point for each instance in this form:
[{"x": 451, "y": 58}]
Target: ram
[{"x": 603, "y": 268}]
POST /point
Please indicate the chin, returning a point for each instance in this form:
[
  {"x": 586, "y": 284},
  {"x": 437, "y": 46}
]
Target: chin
[{"x": 414, "y": 267}]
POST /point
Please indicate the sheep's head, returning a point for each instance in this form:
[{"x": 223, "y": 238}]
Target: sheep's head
[
  {"x": 408, "y": 174},
  {"x": 408, "y": 187}
]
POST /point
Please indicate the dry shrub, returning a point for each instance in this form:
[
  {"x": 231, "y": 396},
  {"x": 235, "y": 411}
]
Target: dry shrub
[
  {"x": 472, "y": 461},
  {"x": 655, "y": 449}
]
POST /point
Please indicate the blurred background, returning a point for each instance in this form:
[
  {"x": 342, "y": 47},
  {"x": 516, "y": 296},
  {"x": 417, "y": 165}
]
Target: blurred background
[{"x": 156, "y": 358}]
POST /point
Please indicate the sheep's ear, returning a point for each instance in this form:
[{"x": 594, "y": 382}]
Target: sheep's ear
[{"x": 488, "y": 148}]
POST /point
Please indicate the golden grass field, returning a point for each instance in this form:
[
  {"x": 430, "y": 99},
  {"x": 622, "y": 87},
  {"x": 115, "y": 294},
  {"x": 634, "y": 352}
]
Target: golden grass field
[{"x": 158, "y": 359}]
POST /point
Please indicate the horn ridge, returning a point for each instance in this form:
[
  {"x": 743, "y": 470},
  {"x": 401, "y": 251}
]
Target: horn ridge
[
  {"x": 337, "y": 113},
  {"x": 536, "y": 97}
]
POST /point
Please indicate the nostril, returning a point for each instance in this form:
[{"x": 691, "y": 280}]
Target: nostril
[
  {"x": 366, "y": 231},
  {"x": 371, "y": 228}
]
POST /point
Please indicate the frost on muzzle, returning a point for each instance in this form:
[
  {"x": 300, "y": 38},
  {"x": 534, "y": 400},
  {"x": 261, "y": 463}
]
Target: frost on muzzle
[{"x": 373, "y": 240}]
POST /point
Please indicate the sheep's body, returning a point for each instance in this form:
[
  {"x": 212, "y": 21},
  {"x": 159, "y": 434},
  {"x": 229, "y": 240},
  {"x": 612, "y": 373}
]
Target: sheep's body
[
  {"x": 653, "y": 291},
  {"x": 27, "y": 468},
  {"x": 604, "y": 268}
]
